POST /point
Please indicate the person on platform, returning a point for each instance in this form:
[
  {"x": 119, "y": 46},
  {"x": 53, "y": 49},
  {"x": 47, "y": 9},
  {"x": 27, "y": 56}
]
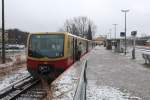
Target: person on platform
[{"x": 79, "y": 50}]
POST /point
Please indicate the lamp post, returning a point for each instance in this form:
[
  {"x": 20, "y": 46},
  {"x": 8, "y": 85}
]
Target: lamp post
[
  {"x": 115, "y": 30},
  {"x": 3, "y": 34},
  {"x": 110, "y": 33},
  {"x": 115, "y": 42},
  {"x": 125, "y": 11}
]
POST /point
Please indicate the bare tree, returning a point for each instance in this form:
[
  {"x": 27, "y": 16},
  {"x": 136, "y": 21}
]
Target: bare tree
[
  {"x": 79, "y": 26},
  {"x": 93, "y": 27},
  {"x": 89, "y": 36}
]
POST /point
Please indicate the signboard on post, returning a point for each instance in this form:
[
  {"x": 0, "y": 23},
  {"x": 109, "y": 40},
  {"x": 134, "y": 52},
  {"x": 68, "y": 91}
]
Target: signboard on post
[
  {"x": 122, "y": 34},
  {"x": 133, "y": 33}
]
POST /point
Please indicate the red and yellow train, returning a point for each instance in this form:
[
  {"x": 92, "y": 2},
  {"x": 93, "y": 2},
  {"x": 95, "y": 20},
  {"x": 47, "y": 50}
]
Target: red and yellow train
[{"x": 49, "y": 54}]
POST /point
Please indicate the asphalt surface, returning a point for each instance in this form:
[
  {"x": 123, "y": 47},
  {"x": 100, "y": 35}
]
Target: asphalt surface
[{"x": 119, "y": 71}]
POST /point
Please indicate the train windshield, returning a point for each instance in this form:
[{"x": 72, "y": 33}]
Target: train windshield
[{"x": 46, "y": 45}]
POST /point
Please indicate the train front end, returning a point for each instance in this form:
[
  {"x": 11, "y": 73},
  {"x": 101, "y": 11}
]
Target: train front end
[{"x": 46, "y": 55}]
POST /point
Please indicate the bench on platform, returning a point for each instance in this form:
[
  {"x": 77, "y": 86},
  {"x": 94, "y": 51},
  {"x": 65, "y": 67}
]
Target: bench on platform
[{"x": 146, "y": 57}]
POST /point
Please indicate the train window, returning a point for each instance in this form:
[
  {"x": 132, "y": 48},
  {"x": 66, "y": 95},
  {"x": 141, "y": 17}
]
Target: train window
[{"x": 46, "y": 45}]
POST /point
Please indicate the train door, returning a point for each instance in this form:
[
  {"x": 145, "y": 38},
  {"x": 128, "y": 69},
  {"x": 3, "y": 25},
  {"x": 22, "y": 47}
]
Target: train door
[
  {"x": 75, "y": 49},
  {"x": 87, "y": 46}
]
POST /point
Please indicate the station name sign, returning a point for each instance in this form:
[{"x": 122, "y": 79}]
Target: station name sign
[
  {"x": 133, "y": 33},
  {"x": 122, "y": 34}
]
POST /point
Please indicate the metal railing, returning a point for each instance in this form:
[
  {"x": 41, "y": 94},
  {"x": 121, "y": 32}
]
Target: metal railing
[
  {"x": 80, "y": 93},
  {"x": 146, "y": 58}
]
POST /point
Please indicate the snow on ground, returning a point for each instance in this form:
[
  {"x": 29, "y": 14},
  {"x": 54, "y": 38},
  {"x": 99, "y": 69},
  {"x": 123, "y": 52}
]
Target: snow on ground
[
  {"x": 13, "y": 77},
  {"x": 64, "y": 87},
  {"x": 95, "y": 92},
  {"x": 16, "y": 58},
  {"x": 6, "y": 64},
  {"x": 138, "y": 55}
]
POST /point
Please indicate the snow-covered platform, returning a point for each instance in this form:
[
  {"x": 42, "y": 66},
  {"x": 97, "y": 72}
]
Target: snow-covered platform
[
  {"x": 114, "y": 76},
  {"x": 110, "y": 76}
]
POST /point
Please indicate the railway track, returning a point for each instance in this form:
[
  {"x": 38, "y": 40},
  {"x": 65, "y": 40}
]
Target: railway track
[{"x": 24, "y": 89}]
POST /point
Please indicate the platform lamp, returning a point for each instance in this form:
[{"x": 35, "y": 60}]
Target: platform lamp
[
  {"x": 125, "y": 11},
  {"x": 115, "y": 30}
]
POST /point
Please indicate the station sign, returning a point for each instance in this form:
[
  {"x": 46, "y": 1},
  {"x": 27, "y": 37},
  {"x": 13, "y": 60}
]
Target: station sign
[
  {"x": 122, "y": 34},
  {"x": 133, "y": 33}
]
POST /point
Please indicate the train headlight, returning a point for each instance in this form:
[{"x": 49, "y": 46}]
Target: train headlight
[{"x": 45, "y": 68}]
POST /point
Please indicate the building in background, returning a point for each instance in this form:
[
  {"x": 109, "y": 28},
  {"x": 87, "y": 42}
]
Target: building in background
[
  {"x": 14, "y": 36},
  {"x": 100, "y": 39},
  {"x": 6, "y": 36}
]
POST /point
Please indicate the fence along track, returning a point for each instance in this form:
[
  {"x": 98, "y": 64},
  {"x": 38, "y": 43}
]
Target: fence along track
[
  {"x": 80, "y": 93},
  {"x": 25, "y": 89}
]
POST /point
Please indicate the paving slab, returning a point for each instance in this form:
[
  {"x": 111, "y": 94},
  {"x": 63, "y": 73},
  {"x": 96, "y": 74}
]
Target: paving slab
[{"x": 118, "y": 74}]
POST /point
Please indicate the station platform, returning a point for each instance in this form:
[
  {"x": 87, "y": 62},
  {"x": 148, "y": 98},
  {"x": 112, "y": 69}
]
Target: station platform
[
  {"x": 110, "y": 71},
  {"x": 110, "y": 76}
]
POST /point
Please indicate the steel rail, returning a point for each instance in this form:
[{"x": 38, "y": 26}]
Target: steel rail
[
  {"x": 28, "y": 86},
  {"x": 9, "y": 88},
  {"x": 20, "y": 86}
]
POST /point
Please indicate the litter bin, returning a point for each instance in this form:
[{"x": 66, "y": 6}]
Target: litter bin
[{"x": 108, "y": 45}]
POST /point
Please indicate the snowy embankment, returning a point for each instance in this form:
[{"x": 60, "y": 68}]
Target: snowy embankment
[
  {"x": 17, "y": 57},
  {"x": 14, "y": 70},
  {"x": 16, "y": 60}
]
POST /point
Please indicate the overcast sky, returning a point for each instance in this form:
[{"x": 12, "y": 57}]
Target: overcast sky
[{"x": 50, "y": 15}]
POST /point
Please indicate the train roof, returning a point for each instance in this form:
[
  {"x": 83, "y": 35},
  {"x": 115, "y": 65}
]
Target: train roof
[
  {"x": 49, "y": 33},
  {"x": 65, "y": 33}
]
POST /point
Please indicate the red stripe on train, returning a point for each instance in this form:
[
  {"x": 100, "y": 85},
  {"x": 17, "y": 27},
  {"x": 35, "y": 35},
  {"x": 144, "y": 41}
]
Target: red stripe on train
[{"x": 62, "y": 64}]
